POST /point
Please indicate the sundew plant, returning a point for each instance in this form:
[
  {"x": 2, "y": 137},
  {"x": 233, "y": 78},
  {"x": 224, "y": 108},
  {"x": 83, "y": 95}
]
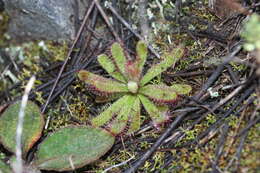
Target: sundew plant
[{"x": 132, "y": 89}]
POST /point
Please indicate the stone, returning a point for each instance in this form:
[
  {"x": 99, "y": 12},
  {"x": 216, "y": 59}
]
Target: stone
[{"x": 44, "y": 19}]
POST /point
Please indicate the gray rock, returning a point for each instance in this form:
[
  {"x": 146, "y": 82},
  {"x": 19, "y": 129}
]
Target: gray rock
[{"x": 43, "y": 19}]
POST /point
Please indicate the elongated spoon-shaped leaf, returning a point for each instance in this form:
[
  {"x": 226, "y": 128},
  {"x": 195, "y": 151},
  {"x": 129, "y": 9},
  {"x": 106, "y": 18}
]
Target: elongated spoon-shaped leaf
[
  {"x": 119, "y": 57},
  {"x": 135, "y": 121},
  {"x": 73, "y": 147},
  {"x": 155, "y": 70},
  {"x": 118, "y": 125},
  {"x": 110, "y": 112},
  {"x": 153, "y": 111},
  {"x": 181, "y": 88},
  {"x": 141, "y": 50},
  {"x": 32, "y": 126},
  {"x": 101, "y": 85},
  {"x": 110, "y": 67},
  {"x": 161, "y": 94}
]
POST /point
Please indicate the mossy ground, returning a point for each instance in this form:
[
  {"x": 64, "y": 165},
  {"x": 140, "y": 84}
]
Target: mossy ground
[{"x": 75, "y": 109}]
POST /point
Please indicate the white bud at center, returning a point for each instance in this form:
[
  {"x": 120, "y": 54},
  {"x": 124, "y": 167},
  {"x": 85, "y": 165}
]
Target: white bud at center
[{"x": 132, "y": 87}]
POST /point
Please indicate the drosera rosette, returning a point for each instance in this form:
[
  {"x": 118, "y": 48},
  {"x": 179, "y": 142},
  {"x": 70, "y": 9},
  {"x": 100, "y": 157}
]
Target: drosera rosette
[{"x": 132, "y": 89}]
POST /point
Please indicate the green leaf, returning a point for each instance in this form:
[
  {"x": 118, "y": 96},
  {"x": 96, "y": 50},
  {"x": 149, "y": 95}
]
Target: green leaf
[
  {"x": 4, "y": 168},
  {"x": 110, "y": 112},
  {"x": 141, "y": 50},
  {"x": 32, "y": 126},
  {"x": 100, "y": 85},
  {"x": 72, "y": 147},
  {"x": 153, "y": 111},
  {"x": 169, "y": 60},
  {"x": 181, "y": 88},
  {"x": 119, "y": 57},
  {"x": 110, "y": 67},
  {"x": 161, "y": 94},
  {"x": 103, "y": 99},
  {"x": 135, "y": 121},
  {"x": 118, "y": 125}
]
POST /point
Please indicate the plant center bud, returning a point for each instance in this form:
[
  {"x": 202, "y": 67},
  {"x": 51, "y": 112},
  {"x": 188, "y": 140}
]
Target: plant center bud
[{"x": 132, "y": 87}]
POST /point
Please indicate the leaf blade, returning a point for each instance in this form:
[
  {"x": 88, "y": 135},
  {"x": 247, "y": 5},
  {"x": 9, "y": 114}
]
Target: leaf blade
[
  {"x": 110, "y": 67},
  {"x": 119, "y": 124},
  {"x": 153, "y": 111},
  {"x": 100, "y": 85},
  {"x": 107, "y": 115},
  {"x": 32, "y": 126},
  {"x": 181, "y": 88},
  {"x": 141, "y": 51},
  {"x": 73, "y": 145},
  {"x": 161, "y": 94},
  {"x": 119, "y": 57},
  {"x": 135, "y": 119},
  {"x": 169, "y": 60}
]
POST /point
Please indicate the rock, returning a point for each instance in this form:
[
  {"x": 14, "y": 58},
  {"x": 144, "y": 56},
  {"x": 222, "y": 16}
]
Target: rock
[
  {"x": 44, "y": 19},
  {"x": 2, "y": 6}
]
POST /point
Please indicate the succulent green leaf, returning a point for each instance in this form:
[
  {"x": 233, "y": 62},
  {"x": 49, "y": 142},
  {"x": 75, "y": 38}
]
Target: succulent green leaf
[
  {"x": 4, "y": 168},
  {"x": 135, "y": 120},
  {"x": 181, "y": 88},
  {"x": 110, "y": 112},
  {"x": 153, "y": 111},
  {"x": 119, "y": 57},
  {"x": 168, "y": 61},
  {"x": 161, "y": 94},
  {"x": 141, "y": 50},
  {"x": 32, "y": 126},
  {"x": 100, "y": 85},
  {"x": 72, "y": 147},
  {"x": 118, "y": 125},
  {"x": 110, "y": 67}
]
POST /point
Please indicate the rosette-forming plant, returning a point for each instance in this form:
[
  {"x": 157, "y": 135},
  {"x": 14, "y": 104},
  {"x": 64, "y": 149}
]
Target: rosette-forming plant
[
  {"x": 132, "y": 89},
  {"x": 72, "y": 147}
]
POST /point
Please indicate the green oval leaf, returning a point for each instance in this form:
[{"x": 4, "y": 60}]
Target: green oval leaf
[
  {"x": 73, "y": 147},
  {"x": 32, "y": 126}
]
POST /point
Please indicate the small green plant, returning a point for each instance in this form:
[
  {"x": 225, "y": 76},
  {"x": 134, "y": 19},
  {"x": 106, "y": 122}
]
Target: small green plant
[
  {"x": 72, "y": 147},
  {"x": 66, "y": 149},
  {"x": 133, "y": 89}
]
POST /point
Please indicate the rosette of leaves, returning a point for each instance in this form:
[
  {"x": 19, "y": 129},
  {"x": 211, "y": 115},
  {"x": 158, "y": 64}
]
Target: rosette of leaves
[{"x": 132, "y": 89}]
